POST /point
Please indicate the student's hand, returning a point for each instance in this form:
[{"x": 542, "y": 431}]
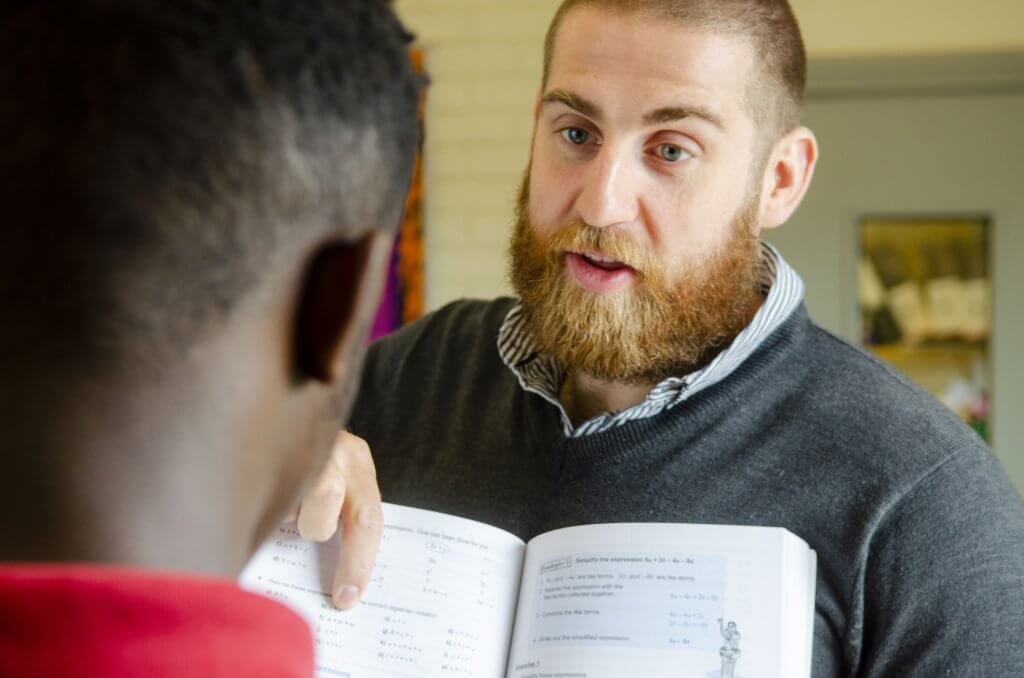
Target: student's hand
[{"x": 347, "y": 487}]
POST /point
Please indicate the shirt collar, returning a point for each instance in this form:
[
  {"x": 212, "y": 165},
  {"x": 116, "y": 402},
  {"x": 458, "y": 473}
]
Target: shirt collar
[{"x": 542, "y": 375}]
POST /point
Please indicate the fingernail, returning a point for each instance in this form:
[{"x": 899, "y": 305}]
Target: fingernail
[{"x": 347, "y": 597}]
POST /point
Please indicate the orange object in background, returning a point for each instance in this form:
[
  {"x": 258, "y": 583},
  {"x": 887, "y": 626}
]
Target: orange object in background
[{"x": 403, "y": 299}]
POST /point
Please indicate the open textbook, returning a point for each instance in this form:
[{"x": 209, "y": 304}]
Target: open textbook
[{"x": 453, "y": 597}]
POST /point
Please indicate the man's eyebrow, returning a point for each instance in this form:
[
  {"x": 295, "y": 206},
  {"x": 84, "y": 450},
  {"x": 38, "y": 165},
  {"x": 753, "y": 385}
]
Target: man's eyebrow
[
  {"x": 660, "y": 116},
  {"x": 674, "y": 113},
  {"x": 576, "y": 103}
]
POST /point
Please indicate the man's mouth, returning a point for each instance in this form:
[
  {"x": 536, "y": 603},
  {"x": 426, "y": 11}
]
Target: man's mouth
[
  {"x": 603, "y": 262},
  {"x": 597, "y": 272}
]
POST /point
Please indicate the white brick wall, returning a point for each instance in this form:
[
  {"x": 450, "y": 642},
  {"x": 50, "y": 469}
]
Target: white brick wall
[{"x": 484, "y": 57}]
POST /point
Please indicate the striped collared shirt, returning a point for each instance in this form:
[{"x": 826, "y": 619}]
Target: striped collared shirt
[{"x": 541, "y": 374}]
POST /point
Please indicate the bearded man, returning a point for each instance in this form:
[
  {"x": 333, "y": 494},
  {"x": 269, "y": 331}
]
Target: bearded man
[{"x": 659, "y": 365}]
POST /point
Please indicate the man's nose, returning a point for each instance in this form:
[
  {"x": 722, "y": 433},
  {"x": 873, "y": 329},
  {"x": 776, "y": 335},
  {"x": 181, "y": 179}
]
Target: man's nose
[{"x": 609, "y": 194}]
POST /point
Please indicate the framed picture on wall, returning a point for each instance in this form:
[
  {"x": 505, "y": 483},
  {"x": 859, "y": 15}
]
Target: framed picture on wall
[{"x": 925, "y": 298}]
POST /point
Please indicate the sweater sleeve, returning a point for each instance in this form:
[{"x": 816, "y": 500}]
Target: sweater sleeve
[
  {"x": 376, "y": 405},
  {"x": 424, "y": 362},
  {"x": 944, "y": 580}
]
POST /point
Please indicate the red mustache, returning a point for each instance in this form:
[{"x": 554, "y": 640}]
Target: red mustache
[{"x": 582, "y": 238}]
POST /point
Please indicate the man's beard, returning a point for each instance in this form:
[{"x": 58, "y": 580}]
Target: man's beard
[{"x": 669, "y": 324}]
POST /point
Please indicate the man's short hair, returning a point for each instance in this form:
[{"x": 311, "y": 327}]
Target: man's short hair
[
  {"x": 159, "y": 154},
  {"x": 777, "y": 90}
]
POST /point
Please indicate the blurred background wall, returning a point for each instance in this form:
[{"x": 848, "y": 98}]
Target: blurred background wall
[
  {"x": 835, "y": 28},
  {"x": 931, "y": 72}
]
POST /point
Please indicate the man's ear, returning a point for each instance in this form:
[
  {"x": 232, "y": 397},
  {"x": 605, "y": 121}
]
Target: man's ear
[
  {"x": 340, "y": 296},
  {"x": 787, "y": 176}
]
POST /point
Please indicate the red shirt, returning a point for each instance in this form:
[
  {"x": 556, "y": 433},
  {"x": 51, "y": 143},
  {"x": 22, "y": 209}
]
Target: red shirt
[{"x": 83, "y": 620}]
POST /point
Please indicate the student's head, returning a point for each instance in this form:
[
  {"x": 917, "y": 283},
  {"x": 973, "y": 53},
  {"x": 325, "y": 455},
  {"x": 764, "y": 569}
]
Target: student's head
[
  {"x": 198, "y": 200},
  {"x": 667, "y": 137}
]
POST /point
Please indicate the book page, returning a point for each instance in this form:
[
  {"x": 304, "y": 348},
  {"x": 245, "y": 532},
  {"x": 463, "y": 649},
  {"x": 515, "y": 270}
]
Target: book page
[
  {"x": 440, "y": 605},
  {"x": 660, "y": 600},
  {"x": 801, "y": 564}
]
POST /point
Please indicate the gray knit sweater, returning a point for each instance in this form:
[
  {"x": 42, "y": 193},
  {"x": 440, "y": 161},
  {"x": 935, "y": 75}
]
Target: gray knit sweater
[{"x": 919, "y": 534}]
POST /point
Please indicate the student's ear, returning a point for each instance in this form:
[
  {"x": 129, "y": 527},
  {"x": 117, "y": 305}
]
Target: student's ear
[
  {"x": 788, "y": 176},
  {"x": 339, "y": 299}
]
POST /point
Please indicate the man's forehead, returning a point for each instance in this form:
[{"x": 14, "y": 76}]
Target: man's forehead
[{"x": 661, "y": 62}]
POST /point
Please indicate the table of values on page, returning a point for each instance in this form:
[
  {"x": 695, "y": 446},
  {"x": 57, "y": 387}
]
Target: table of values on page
[{"x": 440, "y": 603}]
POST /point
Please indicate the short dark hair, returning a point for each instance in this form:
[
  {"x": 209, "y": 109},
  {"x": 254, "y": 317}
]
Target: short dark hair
[
  {"x": 159, "y": 154},
  {"x": 776, "y": 96}
]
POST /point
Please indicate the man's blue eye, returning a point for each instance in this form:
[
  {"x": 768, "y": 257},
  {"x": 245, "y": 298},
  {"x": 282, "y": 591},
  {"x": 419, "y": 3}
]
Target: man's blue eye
[
  {"x": 671, "y": 152},
  {"x": 576, "y": 135}
]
